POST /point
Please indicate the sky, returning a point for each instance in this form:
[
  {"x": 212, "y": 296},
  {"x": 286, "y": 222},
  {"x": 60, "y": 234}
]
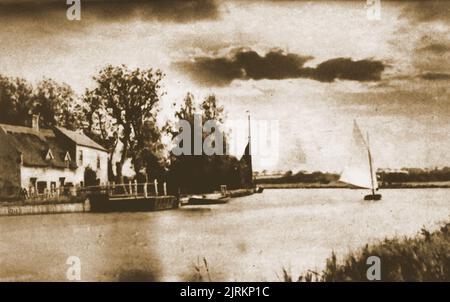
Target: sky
[{"x": 311, "y": 66}]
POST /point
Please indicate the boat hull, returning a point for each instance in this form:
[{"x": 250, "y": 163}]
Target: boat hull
[
  {"x": 207, "y": 201},
  {"x": 373, "y": 197},
  {"x": 104, "y": 203}
]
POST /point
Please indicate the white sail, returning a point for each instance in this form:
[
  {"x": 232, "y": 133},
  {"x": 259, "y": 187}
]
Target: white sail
[{"x": 359, "y": 171}]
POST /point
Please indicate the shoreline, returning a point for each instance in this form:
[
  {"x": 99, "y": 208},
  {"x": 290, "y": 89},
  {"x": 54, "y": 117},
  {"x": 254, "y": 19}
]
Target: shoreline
[
  {"x": 55, "y": 207},
  {"x": 48, "y": 208},
  {"x": 18, "y": 209},
  {"x": 343, "y": 186}
]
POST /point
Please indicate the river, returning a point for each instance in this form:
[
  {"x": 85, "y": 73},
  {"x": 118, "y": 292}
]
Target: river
[{"x": 249, "y": 239}]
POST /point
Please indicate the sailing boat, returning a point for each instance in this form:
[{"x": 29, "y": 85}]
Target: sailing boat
[
  {"x": 360, "y": 171},
  {"x": 246, "y": 161}
]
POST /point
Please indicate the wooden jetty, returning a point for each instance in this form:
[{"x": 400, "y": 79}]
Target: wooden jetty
[{"x": 134, "y": 197}]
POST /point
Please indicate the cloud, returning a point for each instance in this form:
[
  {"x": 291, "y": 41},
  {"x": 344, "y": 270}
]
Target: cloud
[
  {"x": 435, "y": 76},
  {"x": 247, "y": 64},
  {"x": 115, "y": 10},
  {"x": 347, "y": 69},
  {"x": 437, "y": 48},
  {"x": 427, "y": 11}
]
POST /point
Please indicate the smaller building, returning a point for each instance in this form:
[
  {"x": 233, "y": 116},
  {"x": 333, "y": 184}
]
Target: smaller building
[{"x": 44, "y": 160}]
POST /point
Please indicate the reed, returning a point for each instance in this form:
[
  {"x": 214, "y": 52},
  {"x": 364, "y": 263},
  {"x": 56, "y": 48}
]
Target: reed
[{"x": 425, "y": 257}]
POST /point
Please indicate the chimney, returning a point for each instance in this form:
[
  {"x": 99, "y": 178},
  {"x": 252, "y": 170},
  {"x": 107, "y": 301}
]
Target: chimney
[{"x": 35, "y": 122}]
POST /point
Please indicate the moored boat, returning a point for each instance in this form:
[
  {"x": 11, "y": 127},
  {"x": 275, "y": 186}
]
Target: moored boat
[
  {"x": 101, "y": 202},
  {"x": 208, "y": 199}
]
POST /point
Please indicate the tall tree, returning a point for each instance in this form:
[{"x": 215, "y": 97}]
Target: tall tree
[
  {"x": 100, "y": 126},
  {"x": 132, "y": 100}
]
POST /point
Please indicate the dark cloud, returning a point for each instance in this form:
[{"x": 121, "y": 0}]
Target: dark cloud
[
  {"x": 347, "y": 69},
  {"x": 114, "y": 10},
  {"x": 427, "y": 11},
  {"x": 276, "y": 65},
  {"x": 435, "y": 76},
  {"x": 437, "y": 48}
]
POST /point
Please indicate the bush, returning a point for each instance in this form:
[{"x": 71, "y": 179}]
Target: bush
[{"x": 90, "y": 177}]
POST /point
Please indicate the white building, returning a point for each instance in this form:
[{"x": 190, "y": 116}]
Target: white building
[{"x": 40, "y": 159}]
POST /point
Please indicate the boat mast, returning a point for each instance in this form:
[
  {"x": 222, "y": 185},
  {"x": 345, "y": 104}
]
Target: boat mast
[
  {"x": 249, "y": 134},
  {"x": 250, "y": 147},
  {"x": 370, "y": 165}
]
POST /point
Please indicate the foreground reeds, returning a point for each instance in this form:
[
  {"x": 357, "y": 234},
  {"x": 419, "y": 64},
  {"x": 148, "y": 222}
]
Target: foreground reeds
[{"x": 426, "y": 257}]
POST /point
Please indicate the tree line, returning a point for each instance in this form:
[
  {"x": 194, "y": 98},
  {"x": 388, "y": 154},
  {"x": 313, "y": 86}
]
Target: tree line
[{"x": 120, "y": 113}]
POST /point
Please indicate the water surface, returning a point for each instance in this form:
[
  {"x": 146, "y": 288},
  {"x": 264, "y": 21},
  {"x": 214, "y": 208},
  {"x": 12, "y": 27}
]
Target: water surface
[{"x": 250, "y": 239}]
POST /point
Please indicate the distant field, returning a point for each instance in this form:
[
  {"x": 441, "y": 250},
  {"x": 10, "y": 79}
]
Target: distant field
[{"x": 300, "y": 185}]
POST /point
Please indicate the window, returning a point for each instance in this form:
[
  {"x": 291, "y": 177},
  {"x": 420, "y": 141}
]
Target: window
[
  {"x": 49, "y": 155},
  {"x": 99, "y": 162},
  {"x": 41, "y": 187},
  {"x": 67, "y": 157},
  {"x": 33, "y": 181},
  {"x": 80, "y": 157},
  {"x": 53, "y": 186},
  {"x": 67, "y": 160}
]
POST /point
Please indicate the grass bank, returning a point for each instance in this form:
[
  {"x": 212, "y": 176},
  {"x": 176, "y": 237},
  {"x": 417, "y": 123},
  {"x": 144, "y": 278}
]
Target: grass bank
[{"x": 425, "y": 257}]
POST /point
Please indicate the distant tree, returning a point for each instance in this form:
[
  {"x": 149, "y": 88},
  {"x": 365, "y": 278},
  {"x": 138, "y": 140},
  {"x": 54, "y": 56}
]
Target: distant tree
[
  {"x": 211, "y": 110},
  {"x": 16, "y": 100},
  {"x": 201, "y": 173},
  {"x": 56, "y": 105}
]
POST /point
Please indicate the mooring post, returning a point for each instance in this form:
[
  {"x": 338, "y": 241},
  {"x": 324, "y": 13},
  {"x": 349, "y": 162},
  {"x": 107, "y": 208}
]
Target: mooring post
[
  {"x": 165, "y": 189},
  {"x": 130, "y": 188},
  {"x": 145, "y": 190},
  {"x": 156, "y": 187},
  {"x": 135, "y": 187}
]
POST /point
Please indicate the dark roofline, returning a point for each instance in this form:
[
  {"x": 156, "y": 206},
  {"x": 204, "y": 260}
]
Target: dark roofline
[
  {"x": 65, "y": 132},
  {"x": 96, "y": 148}
]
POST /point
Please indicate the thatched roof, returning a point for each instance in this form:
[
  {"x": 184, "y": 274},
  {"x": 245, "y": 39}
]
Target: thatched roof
[
  {"x": 33, "y": 146},
  {"x": 80, "y": 139}
]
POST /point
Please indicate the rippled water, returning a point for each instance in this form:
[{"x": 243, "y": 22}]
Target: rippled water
[{"x": 250, "y": 239}]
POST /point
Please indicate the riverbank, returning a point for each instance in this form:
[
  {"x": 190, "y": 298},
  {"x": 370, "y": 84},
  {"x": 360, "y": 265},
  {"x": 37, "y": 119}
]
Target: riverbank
[
  {"x": 423, "y": 258},
  {"x": 337, "y": 185},
  {"x": 248, "y": 239},
  {"x": 47, "y": 208},
  {"x": 82, "y": 204}
]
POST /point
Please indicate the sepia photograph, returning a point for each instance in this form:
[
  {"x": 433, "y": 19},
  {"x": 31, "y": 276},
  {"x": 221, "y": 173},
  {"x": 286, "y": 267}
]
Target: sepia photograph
[{"x": 221, "y": 141}]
